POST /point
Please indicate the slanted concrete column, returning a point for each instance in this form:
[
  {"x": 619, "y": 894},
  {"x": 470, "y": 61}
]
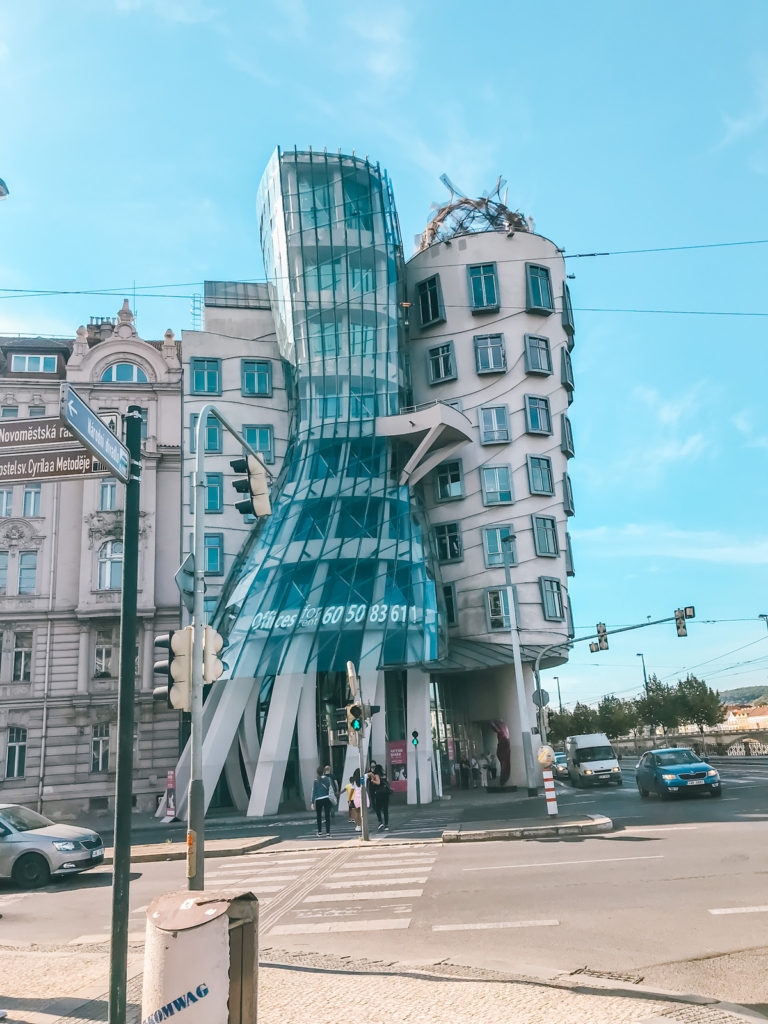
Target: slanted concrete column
[
  {"x": 306, "y": 730},
  {"x": 378, "y": 742},
  {"x": 418, "y": 717},
  {"x": 276, "y": 745},
  {"x": 519, "y": 726}
]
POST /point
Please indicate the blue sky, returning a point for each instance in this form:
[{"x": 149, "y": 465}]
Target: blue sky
[{"x": 134, "y": 133}]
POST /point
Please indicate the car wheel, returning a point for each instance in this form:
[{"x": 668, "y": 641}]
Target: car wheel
[
  {"x": 619, "y": 782},
  {"x": 715, "y": 790},
  {"x": 643, "y": 792},
  {"x": 663, "y": 792},
  {"x": 31, "y": 871}
]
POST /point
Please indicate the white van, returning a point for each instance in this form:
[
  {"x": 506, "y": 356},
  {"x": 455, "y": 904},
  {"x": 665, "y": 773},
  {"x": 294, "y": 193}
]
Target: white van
[{"x": 592, "y": 759}]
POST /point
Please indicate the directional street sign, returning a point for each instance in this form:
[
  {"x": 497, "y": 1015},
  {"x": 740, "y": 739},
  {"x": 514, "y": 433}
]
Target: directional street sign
[
  {"x": 35, "y": 433},
  {"x": 61, "y": 464},
  {"x": 95, "y": 435},
  {"x": 185, "y": 581}
]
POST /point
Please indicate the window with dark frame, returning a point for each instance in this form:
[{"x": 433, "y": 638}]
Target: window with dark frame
[
  {"x": 206, "y": 376},
  {"x": 214, "y": 554},
  {"x": 483, "y": 287},
  {"x": 448, "y": 537},
  {"x": 451, "y": 608},
  {"x": 537, "y": 415},
  {"x": 22, "y": 657},
  {"x": 442, "y": 365},
  {"x": 16, "y": 752},
  {"x": 496, "y": 541},
  {"x": 537, "y": 356},
  {"x": 261, "y": 437},
  {"x": 496, "y": 484},
  {"x": 255, "y": 377},
  {"x": 449, "y": 481},
  {"x": 430, "y": 301},
  {"x": 100, "y": 747},
  {"x": 538, "y": 289},
  {"x": 540, "y": 479},
  {"x": 494, "y": 424},
  {"x": 552, "y": 598},
  {"x": 490, "y": 355},
  {"x": 545, "y": 541}
]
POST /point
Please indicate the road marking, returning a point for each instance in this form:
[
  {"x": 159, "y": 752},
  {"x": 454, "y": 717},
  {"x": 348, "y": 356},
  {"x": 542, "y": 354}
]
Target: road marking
[
  {"x": 661, "y": 828},
  {"x": 344, "y": 897},
  {"x": 412, "y": 862},
  {"x": 225, "y": 872},
  {"x": 741, "y": 910},
  {"x": 386, "y": 924},
  {"x": 493, "y": 924},
  {"x": 559, "y": 863},
  {"x": 421, "y": 880},
  {"x": 255, "y": 884},
  {"x": 99, "y": 937}
]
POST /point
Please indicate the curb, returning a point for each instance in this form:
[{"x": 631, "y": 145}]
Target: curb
[
  {"x": 596, "y": 823},
  {"x": 178, "y": 851}
]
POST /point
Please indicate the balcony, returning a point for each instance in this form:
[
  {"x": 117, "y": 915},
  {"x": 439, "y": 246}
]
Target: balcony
[{"x": 435, "y": 431}]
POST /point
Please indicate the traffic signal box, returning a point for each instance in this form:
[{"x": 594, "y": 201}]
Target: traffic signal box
[
  {"x": 254, "y": 484},
  {"x": 415, "y": 738},
  {"x": 602, "y": 637},
  {"x": 176, "y": 669},
  {"x": 354, "y": 723},
  {"x": 212, "y": 644}
]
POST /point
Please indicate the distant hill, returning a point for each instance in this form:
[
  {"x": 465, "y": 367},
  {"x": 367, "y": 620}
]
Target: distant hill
[{"x": 745, "y": 695}]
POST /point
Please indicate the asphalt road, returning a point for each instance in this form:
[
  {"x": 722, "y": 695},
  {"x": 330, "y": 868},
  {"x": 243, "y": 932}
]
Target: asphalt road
[{"x": 676, "y": 896}]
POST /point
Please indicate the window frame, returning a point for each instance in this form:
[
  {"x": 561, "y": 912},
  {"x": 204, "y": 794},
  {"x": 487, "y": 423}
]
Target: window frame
[
  {"x": 100, "y": 748},
  {"x": 108, "y": 486},
  {"x": 248, "y": 367},
  {"x": 529, "y": 348},
  {"x": 530, "y": 459},
  {"x": 442, "y": 533},
  {"x": 450, "y": 354},
  {"x": 26, "y": 590},
  {"x": 34, "y": 492},
  {"x": 495, "y": 560},
  {"x": 485, "y": 490},
  {"x": 569, "y": 569},
  {"x": 21, "y": 667},
  {"x": 6, "y": 503},
  {"x": 557, "y": 591},
  {"x": 26, "y": 356},
  {"x": 446, "y": 467},
  {"x": 4, "y": 562},
  {"x": 566, "y": 436},
  {"x": 218, "y": 545},
  {"x": 107, "y": 649},
  {"x": 505, "y": 626},
  {"x": 214, "y": 482},
  {"x": 212, "y": 423},
  {"x": 106, "y": 563},
  {"x": 532, "y": 306},
  {"x": 424, "y": 283},
  {"x": 36, "y": 411},
  {"x": 478, "y": 340},
  {"x": 566, "y": 370},
  {"x": 16, "y": 742},
  {"x": 568, "y": 506},
  {"x": 451, "y": 606},
  {"x": 537, "y": 549},
  {"x": 205, "y": 366},
  {"x": 138, "y": 371},
  {"x": 566, "y": 315},
  {"x": 529, "y": 407},
  {"x": 484, "y": 438},
  {"x": 485, "y": 307}
]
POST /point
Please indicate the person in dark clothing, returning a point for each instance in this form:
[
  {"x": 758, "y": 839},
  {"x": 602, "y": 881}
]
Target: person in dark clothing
[
  {"x": 382, "y": 793},
  {"x": 321, "y": 801}
]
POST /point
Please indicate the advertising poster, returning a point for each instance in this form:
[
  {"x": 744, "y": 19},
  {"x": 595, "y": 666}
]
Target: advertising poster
[{"x": 398, "y": 759}]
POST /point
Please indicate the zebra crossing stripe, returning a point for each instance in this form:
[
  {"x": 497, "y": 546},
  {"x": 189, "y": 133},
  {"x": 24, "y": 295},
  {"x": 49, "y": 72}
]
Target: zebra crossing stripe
[
  {"x": 381, "y": 925},
  {"x": 344, "y": 897}
]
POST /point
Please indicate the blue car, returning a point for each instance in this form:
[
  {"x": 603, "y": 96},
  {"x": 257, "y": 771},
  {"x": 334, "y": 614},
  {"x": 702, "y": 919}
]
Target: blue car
[{"x": 675, "y": 770}]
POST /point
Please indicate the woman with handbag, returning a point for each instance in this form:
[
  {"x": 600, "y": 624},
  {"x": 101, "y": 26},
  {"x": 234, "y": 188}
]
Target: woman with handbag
[
  {"x": 381, "y": 794},
  {"x": 322, "y": 791}
]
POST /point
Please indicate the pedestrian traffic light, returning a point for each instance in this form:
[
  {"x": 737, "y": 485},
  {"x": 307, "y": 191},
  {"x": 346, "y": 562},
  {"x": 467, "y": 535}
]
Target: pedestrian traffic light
[
  {"x": 680, "y": 622},
  {"x": 594, "y": 648},
  {"x": 212, "y": 644},
  {"x": 354, "y": 722},
  {"x": 176, "y": 669},
  {"x": 415, "y": 738},
  {"x": 254, "y": 485},
  {"x": 602, "y": 637}
]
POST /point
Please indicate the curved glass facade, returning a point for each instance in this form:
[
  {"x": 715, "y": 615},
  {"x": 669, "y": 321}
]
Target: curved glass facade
[{"x": 340, "y": 570}]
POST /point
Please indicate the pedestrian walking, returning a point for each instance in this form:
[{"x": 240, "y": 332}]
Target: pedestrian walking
[
  {"x": 334, "y": 787},
  {"x": 349, "y": 789},
  {"x": 382, "y": 792},
  {"x": 357, "y": 799},
  {"x": 322, "y": 788}
]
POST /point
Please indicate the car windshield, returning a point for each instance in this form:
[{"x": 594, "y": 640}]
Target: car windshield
[
  {"x": 560, "y": 758},
  {"x": 596, "y": 754},
  {"x": 685, "y": 756},
  {"x": 22, "y": 819}
]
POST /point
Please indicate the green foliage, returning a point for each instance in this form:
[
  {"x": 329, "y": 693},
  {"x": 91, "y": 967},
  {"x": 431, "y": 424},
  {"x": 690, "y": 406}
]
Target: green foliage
[
  {"x": 616, "y": 717},
  {"x": 698, "y": 703},
  {"x": 560, "y": 726},
  {"x": 659, "y": 707},
  {"x": 584, "y": 720}
]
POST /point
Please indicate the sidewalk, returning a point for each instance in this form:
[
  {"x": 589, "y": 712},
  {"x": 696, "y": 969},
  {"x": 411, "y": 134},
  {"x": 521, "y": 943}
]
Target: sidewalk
[{"x": 310, "y": 988}]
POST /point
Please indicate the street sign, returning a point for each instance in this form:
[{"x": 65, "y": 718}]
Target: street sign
[
  {"x": 185, "y": 581},
  {"x": 62, "y": 464},
  {"x": 35, "y": 433},
  {"x": 95, "y": 435},
  {"x": 540, "y": 698}
]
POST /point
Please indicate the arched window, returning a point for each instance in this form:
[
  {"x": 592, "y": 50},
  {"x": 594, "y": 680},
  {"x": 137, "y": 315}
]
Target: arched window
[
  {"x": 111, "y": 565},
  {"x": 124, "y": 373}
]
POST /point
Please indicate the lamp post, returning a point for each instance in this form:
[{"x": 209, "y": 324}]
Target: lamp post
[
  {"x": 559, "y": 698},
  {"x": 645, "y": 677},
  {"x": 765, "y": 619}
]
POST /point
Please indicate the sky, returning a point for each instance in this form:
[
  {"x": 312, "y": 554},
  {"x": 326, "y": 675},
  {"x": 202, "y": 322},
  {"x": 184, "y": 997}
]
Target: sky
[{"x": 133, "y": 135}]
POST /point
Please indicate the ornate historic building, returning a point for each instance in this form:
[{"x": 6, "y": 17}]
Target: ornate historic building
[{"x": 61, "y": 574}]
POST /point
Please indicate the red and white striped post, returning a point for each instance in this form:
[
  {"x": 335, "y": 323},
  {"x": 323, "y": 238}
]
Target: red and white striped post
[
  {"x": 545, "y": 757},
  {"x": 549, "y": 791}
]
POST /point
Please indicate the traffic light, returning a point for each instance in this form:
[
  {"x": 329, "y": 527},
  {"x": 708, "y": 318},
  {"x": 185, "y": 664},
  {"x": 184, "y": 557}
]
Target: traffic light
[
  {"x": 594, "y": 648},
  {"x": 254, "y": 484},
  {"x": 354, "y": 722},
  {"x": 212, "y": 644},
  {"x": 176, "y": 668},
  {"x": 602, "y": 637},
  {"x": 415, "y": 738},
  {"x": 680, "y": 622}
]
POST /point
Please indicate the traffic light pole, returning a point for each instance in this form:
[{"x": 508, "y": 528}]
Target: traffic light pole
[
  {"x": 196, "y": 798},
  {"x": 121, "y": 869}
]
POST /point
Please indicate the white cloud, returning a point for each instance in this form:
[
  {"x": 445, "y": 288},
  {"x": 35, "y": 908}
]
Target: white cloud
[
  {"x": 744, "y": 423},
  {"x": 669, "y": 411},
  {"x": 383, "y": 46},
  {"x": 754, "y": 118},
  {"x": 636, "y": 540}
]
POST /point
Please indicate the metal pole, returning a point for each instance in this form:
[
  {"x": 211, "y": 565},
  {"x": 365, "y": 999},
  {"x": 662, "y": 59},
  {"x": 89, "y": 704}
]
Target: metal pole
[
  {"x": 418, "y": 780},
  {"x": 645, "y": 677},
  {"x": 121, "y": 869},
  {"x": 363, "y": 781},
  {"x": 559, "y": 698},
  {"x": 530, "y": 770},
  {"x": 196, "y": 798}
]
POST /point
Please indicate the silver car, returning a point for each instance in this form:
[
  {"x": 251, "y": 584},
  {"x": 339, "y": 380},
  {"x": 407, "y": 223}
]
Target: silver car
[{"x": 33, "y": 848}]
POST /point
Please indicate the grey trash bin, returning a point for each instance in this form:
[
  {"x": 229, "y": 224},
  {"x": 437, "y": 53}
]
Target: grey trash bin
[{"x": 201, "y": 958}]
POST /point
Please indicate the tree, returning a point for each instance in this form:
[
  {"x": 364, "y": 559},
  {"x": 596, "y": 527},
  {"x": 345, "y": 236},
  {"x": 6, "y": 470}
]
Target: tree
[
  {"x": 659, "y": 706},
  {"x": 616, "y": 717},
  {"x": 698, "y": 703},
  {"x": 584, "y": 720},
  {"x": 560, "y": 726}
]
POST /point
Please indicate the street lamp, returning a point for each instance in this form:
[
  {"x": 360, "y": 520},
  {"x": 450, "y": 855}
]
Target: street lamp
[
  {"x": 559, "y": 698},
  {"x": 645, "y": 677},
  {"x": 3, "y": 189},
  {"x": 765, "y": 619}
]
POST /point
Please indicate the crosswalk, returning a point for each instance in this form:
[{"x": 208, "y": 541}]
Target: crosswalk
[{"x": 321, "y": 891}]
